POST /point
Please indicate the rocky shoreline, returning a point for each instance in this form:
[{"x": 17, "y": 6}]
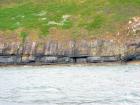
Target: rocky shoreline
[
  {"x": 54, "y": 60},
  {"x": 17, "y": 60},
  {"x": 96, "y": 51},
  {"x": 121, "y": 47}
]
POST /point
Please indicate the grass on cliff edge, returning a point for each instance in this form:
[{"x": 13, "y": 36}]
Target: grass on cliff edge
[{"x": 96, "y": 17}]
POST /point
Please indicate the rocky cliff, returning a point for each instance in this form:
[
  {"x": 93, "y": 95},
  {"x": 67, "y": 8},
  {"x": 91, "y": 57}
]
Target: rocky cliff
[{"x": 124, "y": 46}]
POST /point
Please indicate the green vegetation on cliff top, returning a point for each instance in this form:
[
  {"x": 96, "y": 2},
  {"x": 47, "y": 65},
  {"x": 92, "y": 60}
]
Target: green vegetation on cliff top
[{"x": 93, "y": 16}]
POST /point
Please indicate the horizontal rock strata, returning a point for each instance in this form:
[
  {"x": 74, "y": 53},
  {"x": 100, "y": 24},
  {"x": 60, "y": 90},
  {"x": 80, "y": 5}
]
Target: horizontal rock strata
[{"x": 54, "y": 52}]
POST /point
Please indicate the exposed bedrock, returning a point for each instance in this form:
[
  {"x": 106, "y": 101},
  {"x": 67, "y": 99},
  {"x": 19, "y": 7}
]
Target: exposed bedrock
[
  {"x": 122, "y": 46},
  {"x": 55, "y": 52},
  {"x": 133, "y": 51}
]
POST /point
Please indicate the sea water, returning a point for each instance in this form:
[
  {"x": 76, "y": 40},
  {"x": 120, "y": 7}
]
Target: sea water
[{"x": 70, "y": 85}]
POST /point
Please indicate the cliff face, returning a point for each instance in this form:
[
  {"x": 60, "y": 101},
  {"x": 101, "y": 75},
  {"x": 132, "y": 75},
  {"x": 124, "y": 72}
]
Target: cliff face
[
  {"x": 118, "y": 48},
  {"x": 67, "y": 52},
  {"x": 57, "y": 52}
]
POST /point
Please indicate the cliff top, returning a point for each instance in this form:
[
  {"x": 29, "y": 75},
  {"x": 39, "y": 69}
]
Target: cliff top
[{"x": 65, "y": 19}]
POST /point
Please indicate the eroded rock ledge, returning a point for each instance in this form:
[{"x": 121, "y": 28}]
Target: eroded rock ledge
[{"x": 54, "y": 52}]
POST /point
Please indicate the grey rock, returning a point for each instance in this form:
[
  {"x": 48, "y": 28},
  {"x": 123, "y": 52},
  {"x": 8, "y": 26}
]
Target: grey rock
[
  {"x": 99, "y": 59},
  {"x": 65, "y": 60},
  {"x": 138, "y": 57},
  {"x": 81, "y": 60},
  {"x": 48, "y": 59},
  {"x": 110, "y": 58},
  {"x": 95, "y": 59},
  {"x": 9, "y": 59},
  {"x": 131, "y": 57}
]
